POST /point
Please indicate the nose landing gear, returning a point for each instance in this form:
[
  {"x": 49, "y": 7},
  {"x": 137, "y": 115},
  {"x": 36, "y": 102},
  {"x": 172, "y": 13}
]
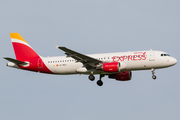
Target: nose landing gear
[{"x": 153, "y": 72}]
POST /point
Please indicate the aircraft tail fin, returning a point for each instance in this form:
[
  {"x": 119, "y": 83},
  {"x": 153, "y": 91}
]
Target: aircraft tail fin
[{"x": 22, "y": 49}]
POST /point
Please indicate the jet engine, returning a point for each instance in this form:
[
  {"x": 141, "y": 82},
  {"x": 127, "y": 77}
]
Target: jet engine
[
  {"x": 122, "y": 76},
  {"x": 111, "y": 67}
]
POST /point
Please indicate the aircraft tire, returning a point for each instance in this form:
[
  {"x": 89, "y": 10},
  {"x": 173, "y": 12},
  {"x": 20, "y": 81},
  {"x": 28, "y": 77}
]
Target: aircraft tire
[
  {"x": 91, "y": 77},
  {"x": 154, "y": 77},
  {"x": 99, "y": 83}
]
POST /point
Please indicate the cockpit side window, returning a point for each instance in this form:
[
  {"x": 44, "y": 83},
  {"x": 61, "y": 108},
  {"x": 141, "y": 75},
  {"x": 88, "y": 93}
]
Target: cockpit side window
[{"x": 165, "y": 55}]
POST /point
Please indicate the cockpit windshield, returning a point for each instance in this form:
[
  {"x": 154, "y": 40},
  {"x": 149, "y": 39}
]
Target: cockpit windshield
[{"x": 165, "y": 55}]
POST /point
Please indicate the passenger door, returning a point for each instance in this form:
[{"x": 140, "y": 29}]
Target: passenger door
[
  {"x": 151, "y": 55},
  {"x": 40, "y": 63}
]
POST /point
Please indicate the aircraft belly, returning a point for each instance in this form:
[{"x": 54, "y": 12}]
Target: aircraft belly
[{"x": 64, "y": 68}]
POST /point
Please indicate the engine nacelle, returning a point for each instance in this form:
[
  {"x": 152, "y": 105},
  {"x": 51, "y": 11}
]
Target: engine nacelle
[
  {"x": 111, "y": 67},
  {"x": 122, "y": 76}
]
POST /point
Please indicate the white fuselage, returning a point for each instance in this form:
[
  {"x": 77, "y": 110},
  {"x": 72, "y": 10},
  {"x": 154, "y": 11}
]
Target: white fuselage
[
  {"x": 116, "y": 66},
  {"x": 138, "y": 60}
]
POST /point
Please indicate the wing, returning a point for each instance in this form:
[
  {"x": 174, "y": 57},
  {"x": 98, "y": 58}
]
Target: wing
[{"x": 87, "y": 61}]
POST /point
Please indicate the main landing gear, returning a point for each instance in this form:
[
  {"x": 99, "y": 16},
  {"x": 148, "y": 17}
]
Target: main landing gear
[
  {"x": 99, "y": 82},
  {"x": 153, "y": 71},
  {"x": 91, "y": 77}
]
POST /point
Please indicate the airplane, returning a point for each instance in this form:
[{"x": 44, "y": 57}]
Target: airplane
[{"x": 116, "y": 66}]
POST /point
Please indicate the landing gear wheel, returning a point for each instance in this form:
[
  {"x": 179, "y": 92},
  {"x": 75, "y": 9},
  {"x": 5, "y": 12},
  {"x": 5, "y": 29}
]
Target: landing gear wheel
[
  {"x": 154, "y": 77},
  {"x": 153, "y": 72},
  {"x": 99, "y": 82},
  {"x": 91, "y": 77}
]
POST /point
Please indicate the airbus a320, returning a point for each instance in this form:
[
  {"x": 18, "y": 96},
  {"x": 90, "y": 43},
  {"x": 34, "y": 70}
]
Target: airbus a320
[{"x": 116, "y": 66}]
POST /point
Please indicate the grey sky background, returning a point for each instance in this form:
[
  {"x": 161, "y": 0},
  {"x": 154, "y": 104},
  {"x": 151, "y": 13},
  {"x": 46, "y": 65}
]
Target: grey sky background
[{"x": 96, "y": 26}]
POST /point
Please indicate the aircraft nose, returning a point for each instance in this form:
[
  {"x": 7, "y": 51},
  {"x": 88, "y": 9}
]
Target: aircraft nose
[{"x": 173, "y": 61}]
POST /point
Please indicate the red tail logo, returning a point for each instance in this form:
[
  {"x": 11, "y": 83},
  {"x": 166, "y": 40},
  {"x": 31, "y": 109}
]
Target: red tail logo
[
  {"x": 25, "y": 53},
  {"x": 22, "y": 49}
]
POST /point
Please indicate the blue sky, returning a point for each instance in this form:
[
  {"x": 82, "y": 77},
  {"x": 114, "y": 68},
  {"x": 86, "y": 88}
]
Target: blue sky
[{"x": 96, "y": 26}]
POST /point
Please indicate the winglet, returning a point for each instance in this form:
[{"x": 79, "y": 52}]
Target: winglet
[{"x": 56, "y": 46}]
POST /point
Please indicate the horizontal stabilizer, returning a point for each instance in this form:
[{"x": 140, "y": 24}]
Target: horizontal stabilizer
[{"x": 15, "y": 61}]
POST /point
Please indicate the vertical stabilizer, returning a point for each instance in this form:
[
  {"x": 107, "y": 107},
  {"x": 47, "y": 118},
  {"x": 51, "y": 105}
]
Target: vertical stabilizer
[{"x": 22, "y": 49}]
